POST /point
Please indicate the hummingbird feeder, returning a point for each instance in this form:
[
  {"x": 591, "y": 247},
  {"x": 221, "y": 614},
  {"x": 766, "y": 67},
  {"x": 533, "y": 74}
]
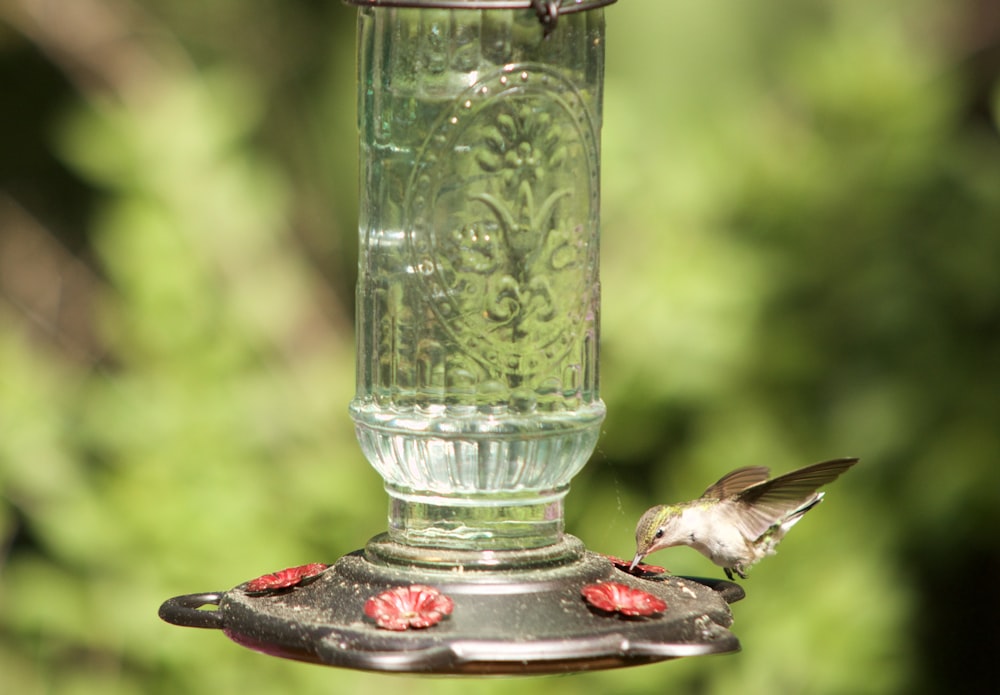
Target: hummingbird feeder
[{"x": 477, "y": 369}]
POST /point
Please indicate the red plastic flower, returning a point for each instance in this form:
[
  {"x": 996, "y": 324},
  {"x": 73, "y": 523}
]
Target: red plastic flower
[
  {"x": 613, "y": 597},
  {"x": 404, "y": 607},
  {"x": 640, "y": 570},
  {"x": 293, "y": 576}
]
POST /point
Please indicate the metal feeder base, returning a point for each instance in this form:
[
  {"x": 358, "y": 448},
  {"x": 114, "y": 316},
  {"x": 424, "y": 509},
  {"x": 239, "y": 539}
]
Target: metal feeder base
[{"x": 505, "y": 620}]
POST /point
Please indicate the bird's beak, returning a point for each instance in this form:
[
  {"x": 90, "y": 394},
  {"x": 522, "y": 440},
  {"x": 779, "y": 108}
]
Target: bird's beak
[{"x": 635, "y": 561}]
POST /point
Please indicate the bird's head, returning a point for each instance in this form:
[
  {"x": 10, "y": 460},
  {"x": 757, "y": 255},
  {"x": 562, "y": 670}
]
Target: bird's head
[{"x": 657, "y": 529}]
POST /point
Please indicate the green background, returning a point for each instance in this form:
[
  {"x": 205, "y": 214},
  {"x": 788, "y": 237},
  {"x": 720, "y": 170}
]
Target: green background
[{"x": 800, "y": 260}]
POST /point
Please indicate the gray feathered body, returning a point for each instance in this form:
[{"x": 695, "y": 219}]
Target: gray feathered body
[{"x": 741, "y": 518}]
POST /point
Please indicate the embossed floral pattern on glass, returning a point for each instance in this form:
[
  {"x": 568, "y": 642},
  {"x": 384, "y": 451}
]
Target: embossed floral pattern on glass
[{"x": 478, "y": 292}]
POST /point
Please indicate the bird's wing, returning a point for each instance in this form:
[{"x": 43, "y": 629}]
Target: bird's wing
[
  {"x": 736, "y": 481},
  {"x": 767, "y": 503}
]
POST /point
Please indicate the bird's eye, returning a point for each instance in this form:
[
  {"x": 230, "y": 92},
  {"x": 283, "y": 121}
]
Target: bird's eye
[{"x": 659, "y": 533}]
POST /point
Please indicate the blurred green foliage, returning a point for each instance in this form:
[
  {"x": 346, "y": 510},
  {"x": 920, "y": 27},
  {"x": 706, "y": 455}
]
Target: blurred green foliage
[{"x": 801, "y": 260}]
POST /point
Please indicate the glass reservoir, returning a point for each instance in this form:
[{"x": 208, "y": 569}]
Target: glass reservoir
[{"x": 478, "y": 293}]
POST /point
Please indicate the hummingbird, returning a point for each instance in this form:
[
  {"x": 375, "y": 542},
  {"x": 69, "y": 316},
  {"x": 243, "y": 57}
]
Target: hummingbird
[{"x": 741, "y": 518}]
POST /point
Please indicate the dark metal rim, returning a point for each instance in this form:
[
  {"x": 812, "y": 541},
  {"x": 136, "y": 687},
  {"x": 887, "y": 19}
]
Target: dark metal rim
[
  {"x": 548, "y": 11},
  {"x": 562, "y": 7},
  {"x": 488, "y": 657}
]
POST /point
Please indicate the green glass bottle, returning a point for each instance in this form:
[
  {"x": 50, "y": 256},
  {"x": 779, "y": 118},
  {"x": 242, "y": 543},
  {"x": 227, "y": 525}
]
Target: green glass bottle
[{"x": 478, "y": 294}]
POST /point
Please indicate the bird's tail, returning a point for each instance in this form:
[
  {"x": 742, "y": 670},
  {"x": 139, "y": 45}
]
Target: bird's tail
[
  {"x": 778, "y": 531},
  {"x": 793, "y": 517}
]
